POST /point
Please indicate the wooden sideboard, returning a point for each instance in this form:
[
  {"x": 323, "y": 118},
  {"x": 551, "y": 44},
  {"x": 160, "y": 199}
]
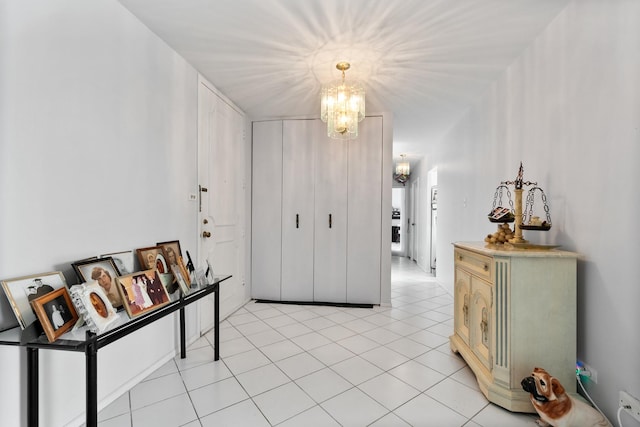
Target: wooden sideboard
[{"x": 514, "y": 309}]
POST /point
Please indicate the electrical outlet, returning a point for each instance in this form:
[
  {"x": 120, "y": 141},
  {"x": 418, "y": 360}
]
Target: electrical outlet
[
  {"x": 587, "y": 371},
  {"x": 630, "y": 404}
]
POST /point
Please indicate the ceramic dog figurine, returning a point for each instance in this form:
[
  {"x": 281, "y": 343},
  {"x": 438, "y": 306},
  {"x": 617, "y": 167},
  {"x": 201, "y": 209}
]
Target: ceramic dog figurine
[{"x": 555, "y": 407}]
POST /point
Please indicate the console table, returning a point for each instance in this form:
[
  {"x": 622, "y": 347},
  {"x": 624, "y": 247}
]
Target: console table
[{"x": 33, "y": 339}]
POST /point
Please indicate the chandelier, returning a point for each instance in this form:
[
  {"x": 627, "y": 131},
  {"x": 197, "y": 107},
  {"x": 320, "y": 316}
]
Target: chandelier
[
  {"x": 403, "y": 169},
  {"x": 342, "y": 106}
]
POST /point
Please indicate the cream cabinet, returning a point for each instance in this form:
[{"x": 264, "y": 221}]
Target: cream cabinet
[
  {"x": 514, "y": 310},
  {"x": 317, "y": 213}
]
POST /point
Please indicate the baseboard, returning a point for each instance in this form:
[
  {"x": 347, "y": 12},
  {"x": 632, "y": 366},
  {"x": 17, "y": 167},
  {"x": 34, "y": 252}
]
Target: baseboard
[{"x": 330, "y": 304}]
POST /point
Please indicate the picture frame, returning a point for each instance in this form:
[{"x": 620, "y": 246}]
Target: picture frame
[
  {"x": 20, "y": 291},
  {"x": 93, "y": 305},
  {"x": 181, "y": 279},
  {"x": 56, "y": 313},
  {"x": 142, "y": 292},
  {"x": 124, "y": 261},
  {"x": 172, "y": 250},
  {"x": 153, "y": 257},
  {"x": 7, "y": 317},
  {"x": 184, "y": 271},
  {"x": 105, "y": 272},
  {"x": 156, "y": 257}
]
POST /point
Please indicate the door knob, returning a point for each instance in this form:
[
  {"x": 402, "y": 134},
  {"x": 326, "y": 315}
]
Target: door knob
[{"x": 206, "y": 234}]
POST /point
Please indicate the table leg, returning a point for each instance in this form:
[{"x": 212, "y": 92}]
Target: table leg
[
  {"x": 183, "y": 344},
  {"x": 216, "y": 324},
  {"x": 91, "y": 359},
  {"x": 32, "y": 387}
]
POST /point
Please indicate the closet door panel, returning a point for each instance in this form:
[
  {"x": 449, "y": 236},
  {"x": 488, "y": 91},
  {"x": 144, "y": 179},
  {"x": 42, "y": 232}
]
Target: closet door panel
[
  {"x": 298, "y": 138},
  {"x": 266, "y": 210},
  {"x": 365, "y": 210},
  {"x": 330, "y": 266}
]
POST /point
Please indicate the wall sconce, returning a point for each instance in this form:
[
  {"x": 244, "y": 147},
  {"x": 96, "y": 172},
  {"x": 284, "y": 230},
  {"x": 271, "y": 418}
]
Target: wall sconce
[{"x": 403, "y": 170}]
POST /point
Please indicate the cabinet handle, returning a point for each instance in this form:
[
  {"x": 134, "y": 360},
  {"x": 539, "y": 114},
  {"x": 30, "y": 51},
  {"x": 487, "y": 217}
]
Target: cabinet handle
[
  {"x": 459, "y": 257},
  {"x": 465, "y": 310},
  {"x": 297, "y": 221},
  {"x": 486, "y": 267},
  {"x": 330, "y": 221},
  {"x": 484, "y": 327}
]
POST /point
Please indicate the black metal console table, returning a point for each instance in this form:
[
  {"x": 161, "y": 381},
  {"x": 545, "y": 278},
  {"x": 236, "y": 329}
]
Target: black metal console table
[{"x": 33, "y": 339}]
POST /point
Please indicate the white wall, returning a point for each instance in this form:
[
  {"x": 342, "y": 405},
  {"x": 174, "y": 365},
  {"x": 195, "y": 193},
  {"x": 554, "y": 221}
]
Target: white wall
[
  {"x": 97, "y": 154},
  {"x": 569, "y": 108}
]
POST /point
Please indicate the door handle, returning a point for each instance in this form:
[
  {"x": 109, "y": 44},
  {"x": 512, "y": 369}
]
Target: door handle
[
  {"x": 297, "y": 221},
  {"x": 330, "y": 221},
  {"x": 206, "y": 234}
]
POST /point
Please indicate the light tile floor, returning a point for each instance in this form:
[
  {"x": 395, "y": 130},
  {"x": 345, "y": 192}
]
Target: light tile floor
[{"x": 302, "y": 365}]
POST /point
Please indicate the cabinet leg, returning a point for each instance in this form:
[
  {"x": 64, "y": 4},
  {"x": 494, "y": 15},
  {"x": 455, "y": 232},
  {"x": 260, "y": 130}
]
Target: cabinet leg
[{"x": 32, "y": 387}]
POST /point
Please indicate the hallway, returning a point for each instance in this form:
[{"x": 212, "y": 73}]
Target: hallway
[{"x": 305, "y": 365}]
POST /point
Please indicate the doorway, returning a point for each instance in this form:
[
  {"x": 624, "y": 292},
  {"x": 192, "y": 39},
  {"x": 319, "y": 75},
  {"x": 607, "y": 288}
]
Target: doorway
[{"x": 398, "y": 216}]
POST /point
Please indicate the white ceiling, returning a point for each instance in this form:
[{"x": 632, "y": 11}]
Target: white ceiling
[{"x": 423, "y": 60}]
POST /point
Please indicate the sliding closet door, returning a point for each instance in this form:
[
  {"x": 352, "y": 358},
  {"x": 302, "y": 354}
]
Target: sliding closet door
[
  {"x": 330, "y": 266},
  {"x": 364, "y": 236},
  {"x": 266, "y": 211},
  {"x": 298, "y": 139}
]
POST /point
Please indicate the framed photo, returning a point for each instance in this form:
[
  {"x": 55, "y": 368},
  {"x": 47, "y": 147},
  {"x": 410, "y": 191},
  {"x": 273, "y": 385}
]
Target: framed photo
[
  {"x": 153, "y": 257},
  {"x": 55, "y": 312},
  {"x": 181, "y": 278},
  {"x": 22, "y": 290},
  {"x": 124, "y": 261},
  {"x": 93, "y": 305},
  {"x": 105, "y": 272},
  {"x": 172, "y": 250},
  {"x": 156, "y": 257},
  {"x": 184, "y": 271},
  {"x": 142, "y": 292}
]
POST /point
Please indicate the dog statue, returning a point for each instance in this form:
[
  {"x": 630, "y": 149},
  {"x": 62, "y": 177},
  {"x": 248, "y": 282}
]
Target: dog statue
[{"x": 555, "y": 407}]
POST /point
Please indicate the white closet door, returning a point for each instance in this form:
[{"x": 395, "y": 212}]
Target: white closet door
[
  {"x": 266, "y": 212},
  {"x": 365, "y": 210},
  {"x": 330, "y": 266},
  {"x": 298, "y": 138}
]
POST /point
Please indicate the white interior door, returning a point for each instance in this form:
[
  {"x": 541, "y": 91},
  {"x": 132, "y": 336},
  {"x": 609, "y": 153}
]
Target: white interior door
[
  {"x": 411, "y": 220},
  {"x": 330, "y": 265},
  {"x": 221, "y": 222},
  {"x": 298, "y": 138},
  {"x": 266, "y": 210}
]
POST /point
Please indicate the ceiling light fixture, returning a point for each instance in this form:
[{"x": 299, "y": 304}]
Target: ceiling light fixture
[
  {"x": 403, "y": 170},
  {"x": 342, "y": 106}
]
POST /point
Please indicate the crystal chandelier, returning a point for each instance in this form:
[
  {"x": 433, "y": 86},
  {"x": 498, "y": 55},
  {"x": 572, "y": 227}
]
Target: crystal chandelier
[{"x": 342, "y": 106}]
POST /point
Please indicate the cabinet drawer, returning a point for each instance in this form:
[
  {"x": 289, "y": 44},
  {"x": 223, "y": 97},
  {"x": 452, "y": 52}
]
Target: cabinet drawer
[{"x": 475, "y": 263}]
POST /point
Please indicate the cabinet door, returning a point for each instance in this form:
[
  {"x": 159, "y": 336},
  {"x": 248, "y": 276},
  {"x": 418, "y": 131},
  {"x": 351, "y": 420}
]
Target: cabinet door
[
  {"x": 462, "y": 300},
  {"x": 298, "y": 140},
  {"x": 330, "y": 265},
  {"x": 364, "y": 234},
  {"x": 266, "y": 210},
  {"x": 481, "y": 322}
]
